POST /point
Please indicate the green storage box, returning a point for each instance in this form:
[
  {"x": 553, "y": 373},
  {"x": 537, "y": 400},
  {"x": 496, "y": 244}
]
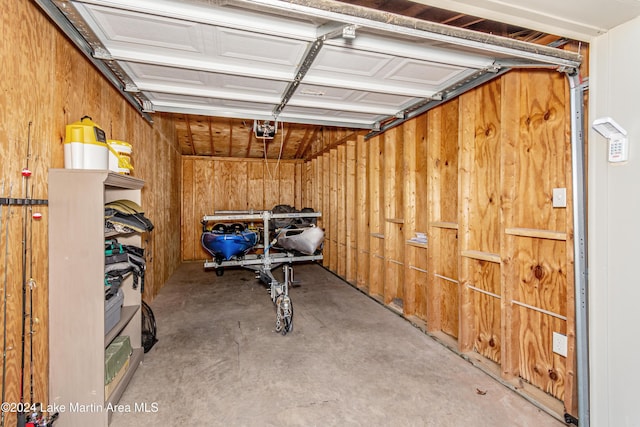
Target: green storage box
[{"x": 115, "y": 356}]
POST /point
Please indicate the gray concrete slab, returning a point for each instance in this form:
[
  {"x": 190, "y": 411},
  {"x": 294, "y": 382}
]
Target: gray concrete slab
[{"x": 348, "y": 361}]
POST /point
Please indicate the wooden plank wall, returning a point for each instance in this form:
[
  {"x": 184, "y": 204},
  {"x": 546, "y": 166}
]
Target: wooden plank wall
[
  {"x": 479, "y": 220},
  {"x": 442, "y": 170},
  {"x": 376, "y": 217},
  {"x": 476, "y": 175},
  {"x": 211, "y": 184},
  {"x": 415, "y": 219},
  {"x": 362, "y": 209},
  {"x": 393, "y": 219},
  {"x": 48, "y": 83}
]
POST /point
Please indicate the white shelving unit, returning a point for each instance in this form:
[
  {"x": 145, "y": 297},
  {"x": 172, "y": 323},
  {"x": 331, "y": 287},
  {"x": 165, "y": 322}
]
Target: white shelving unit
[{"x": 77, "y": 339}]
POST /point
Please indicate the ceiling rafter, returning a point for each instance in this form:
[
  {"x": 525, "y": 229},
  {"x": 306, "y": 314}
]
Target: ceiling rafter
[
  {"x": 189, "y": 134},
  {"x": 334, "y": 144},
  {"x": 453, "y": 19},
  {"x": 211, "y": 142},
  {"x": 287, "y": 135},
  {"x": 250, "y": 140},
  {"x": 305, "y": 154},
  {"x": 304, "y": 143},
  {"x": 230, "y": 137},
  {"x": 472, "y": 23}
]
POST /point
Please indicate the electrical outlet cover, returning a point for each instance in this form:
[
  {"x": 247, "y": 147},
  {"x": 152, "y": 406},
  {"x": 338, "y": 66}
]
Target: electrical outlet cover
[
  {"x": 560, "y": 344},
  {"x": 559, "y": 197}
]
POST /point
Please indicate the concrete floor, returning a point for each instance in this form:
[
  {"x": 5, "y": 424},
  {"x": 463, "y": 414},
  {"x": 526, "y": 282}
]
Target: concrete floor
[{"x": 349, "y": 361}]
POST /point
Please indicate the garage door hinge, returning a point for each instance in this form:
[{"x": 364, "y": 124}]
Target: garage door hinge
[
  {"x": 102, "y": 53},
  {"x": 130, "y": 87},
  {"x": 147, "y": 106}
]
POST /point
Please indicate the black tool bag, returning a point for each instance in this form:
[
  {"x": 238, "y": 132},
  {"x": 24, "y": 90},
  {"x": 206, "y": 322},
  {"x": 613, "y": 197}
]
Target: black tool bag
[
  {"x": 120, "y": 261},
  {"x": 148, "y": 328},
  {"x": 277, "y": 223}
]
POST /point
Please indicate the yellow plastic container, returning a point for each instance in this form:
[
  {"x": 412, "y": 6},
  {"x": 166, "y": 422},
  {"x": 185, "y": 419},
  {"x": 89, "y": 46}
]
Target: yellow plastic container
[
  {"x": 120, "y": 156},
  {"x": 85, "y": 146}
]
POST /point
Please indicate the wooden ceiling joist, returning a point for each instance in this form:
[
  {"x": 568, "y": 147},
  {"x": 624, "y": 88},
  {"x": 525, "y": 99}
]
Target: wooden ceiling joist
[{"x": 189, "y": 134}]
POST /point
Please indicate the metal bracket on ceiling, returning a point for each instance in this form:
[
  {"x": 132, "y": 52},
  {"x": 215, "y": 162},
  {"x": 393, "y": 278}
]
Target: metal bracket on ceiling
[
  {"x": 349, "y": 32},
  {"x": 131, "y": 88},
  {"x": 584, "y": 83},
  {"x": 310, "y": 55},
  {"x": 524, "y": 64},
  {"x": 567, "y": 70},
  {"x": 102, "y": 53},
  {"x": 335, "y": 30},
  {"x": 147, "y": 106},
  {"x": 344, "y": 30}
]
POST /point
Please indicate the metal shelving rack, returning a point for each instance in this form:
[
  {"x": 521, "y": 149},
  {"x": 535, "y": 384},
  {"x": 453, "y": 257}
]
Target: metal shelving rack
[{"x": 263, "y": 263}]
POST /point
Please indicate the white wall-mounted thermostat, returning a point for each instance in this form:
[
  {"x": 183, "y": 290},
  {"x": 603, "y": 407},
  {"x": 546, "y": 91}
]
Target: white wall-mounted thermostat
[{"x": 618, "y": 143}]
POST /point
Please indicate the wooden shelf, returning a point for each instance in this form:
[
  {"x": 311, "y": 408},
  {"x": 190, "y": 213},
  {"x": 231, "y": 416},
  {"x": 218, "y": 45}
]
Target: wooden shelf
[
  {"x": 117, "y": 180},
  {"x": 127, "y": 313},
  {"x": 482, "y": 256},
  {"x": 395, "y": 220},
  {"x": 444, "y": 224},
  {"x": 535, "y": 233},
  {"x": 417, "y": 244}
]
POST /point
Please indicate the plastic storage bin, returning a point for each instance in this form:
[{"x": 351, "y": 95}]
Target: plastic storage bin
[
  {"x": 112, "y": 309},
  {"x": 120, "y": 156},
  {"x": 85, "y": 146}
]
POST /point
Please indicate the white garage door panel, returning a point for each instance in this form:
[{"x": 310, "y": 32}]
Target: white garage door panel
[
  {"x": 371, "y": 85},
  {"x": 208, "y": 106},
  {"x": 200, "y": 63},
  {"x": 422, "y": 73},
  {"x": 254, "y": 47},
  {"x": 163, "y": 36},
  {"x": 122, "y": 28},
  {"x": 350, "y": 62},
  {"x": 304, "y": 115},
  {"x": 147, "y": 74},
  {"x": 224, "y": 14},
  {"x": 348, "y": 67},
  {"x": 287, "y": 60},
  {"x": 335, "y": 94},
  {"x": 349, "y": 100},
  {"x": 426, "y": 50}
]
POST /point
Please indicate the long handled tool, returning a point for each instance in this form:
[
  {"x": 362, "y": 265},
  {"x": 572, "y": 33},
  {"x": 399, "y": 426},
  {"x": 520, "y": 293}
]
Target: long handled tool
[
  {"x": 4, "y": 321},
  {"x": 26, "y": 173},
  {"x": 6, "y": 273},
  {"x": 32, "y": 284}
]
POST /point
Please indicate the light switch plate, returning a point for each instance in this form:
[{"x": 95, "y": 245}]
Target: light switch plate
[{"x": 559, "y": 197}]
